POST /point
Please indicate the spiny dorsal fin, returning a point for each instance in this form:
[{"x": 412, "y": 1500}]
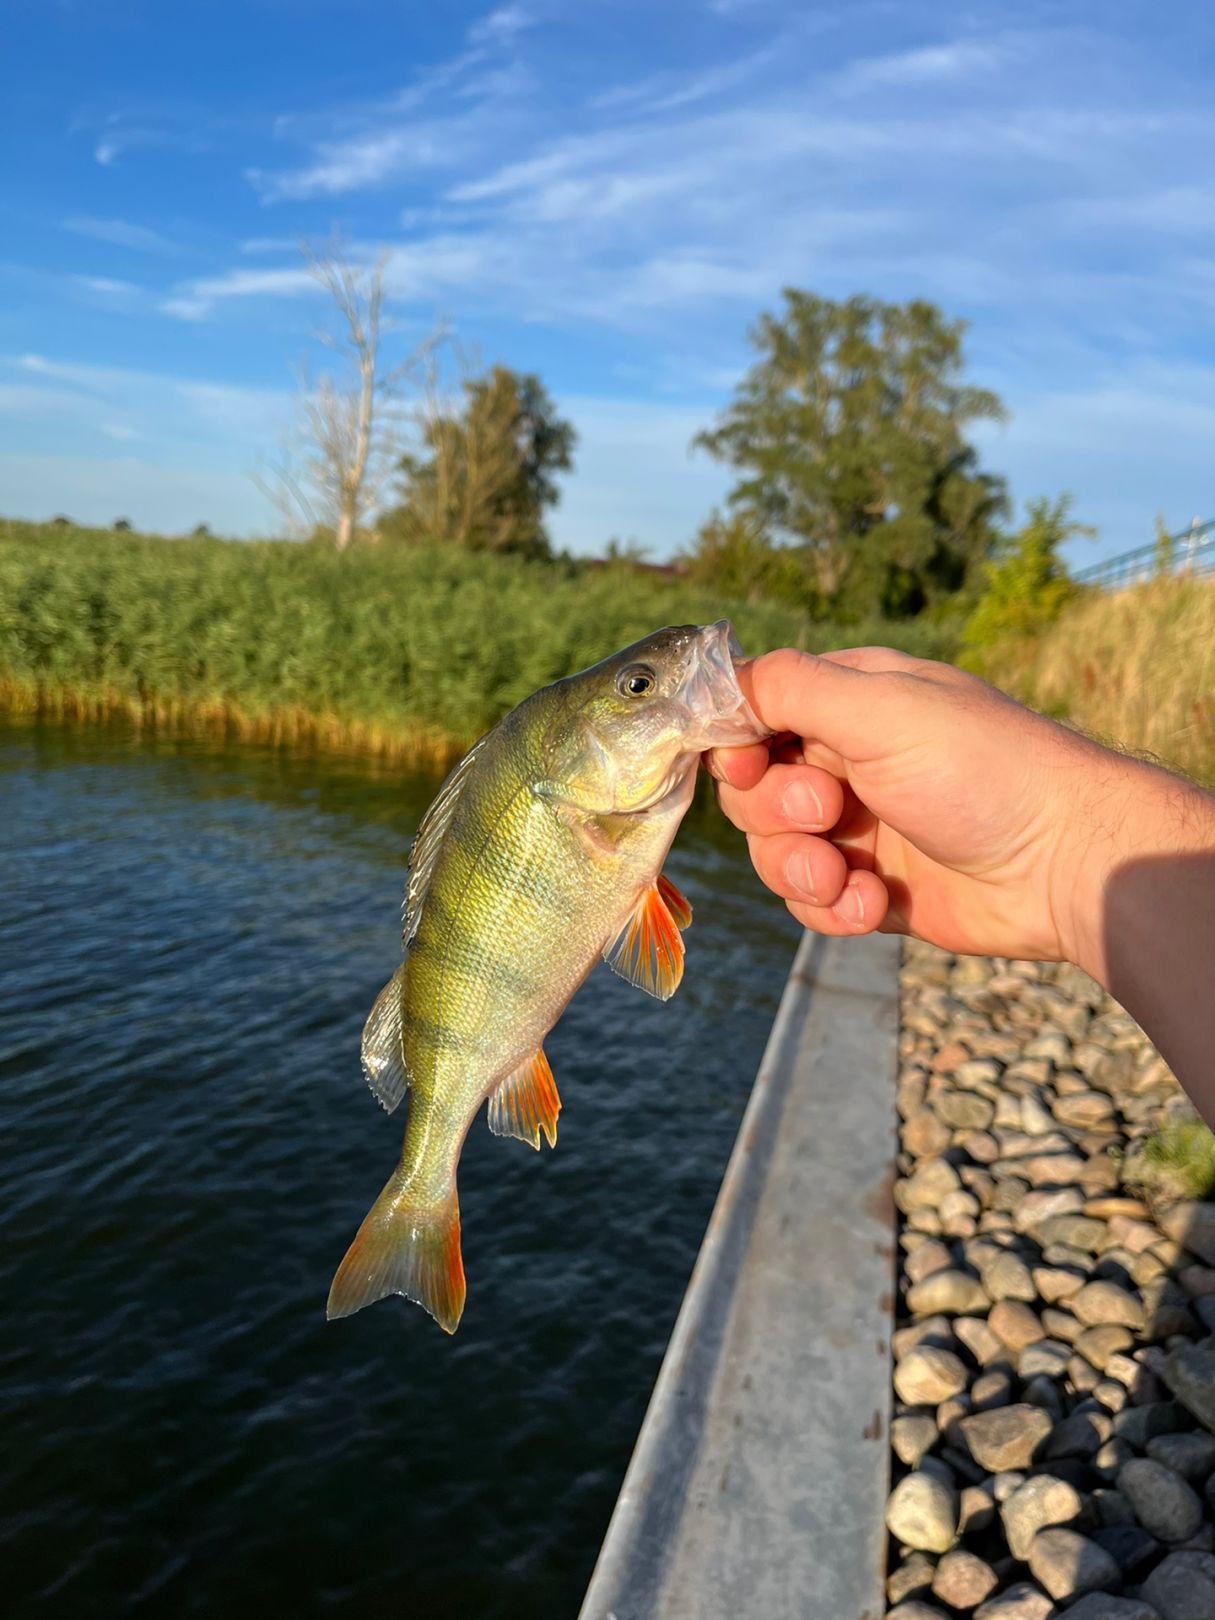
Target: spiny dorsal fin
[
  {"x": 429, "y": 840},
  {"x": 527, "y": 1103},
  {"x": 383, "y": 1053},
  {"x": 648, "y": 951}
]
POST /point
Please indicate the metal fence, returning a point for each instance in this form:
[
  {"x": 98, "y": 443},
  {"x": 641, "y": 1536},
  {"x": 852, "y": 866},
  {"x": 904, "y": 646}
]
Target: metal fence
[{"x": 1190, "y": 552}]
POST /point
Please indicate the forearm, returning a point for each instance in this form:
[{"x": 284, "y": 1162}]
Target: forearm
[{"x": 1144, "y": 924}]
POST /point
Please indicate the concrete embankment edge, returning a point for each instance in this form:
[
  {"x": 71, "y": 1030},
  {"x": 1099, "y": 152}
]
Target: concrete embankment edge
[{"x": 759, "y": 1478}]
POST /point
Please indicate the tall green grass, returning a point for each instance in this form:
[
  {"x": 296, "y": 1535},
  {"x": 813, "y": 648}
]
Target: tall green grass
[{"x": 409, "y": 653}]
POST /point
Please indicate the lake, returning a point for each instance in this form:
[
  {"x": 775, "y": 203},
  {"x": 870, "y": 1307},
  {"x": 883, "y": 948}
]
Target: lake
[{"x": 191, "y": 937}]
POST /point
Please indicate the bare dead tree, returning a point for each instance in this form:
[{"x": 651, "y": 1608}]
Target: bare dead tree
[{"x": 336, "y": 462}]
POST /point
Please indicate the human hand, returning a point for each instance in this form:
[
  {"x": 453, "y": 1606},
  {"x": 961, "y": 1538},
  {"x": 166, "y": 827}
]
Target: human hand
[{"x": 914, "y": 798}]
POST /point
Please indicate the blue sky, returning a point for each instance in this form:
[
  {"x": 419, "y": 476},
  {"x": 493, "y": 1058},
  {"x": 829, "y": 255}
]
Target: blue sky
[{"x": 608, "y": 194}]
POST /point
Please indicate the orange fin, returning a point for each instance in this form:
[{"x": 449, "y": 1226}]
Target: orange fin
[
  {"x": 527, "y": 1103},
  {"x": 678, "y": 904},
  {"x": 648, "y": 951},
  {"x": 404, "y": 1248}
]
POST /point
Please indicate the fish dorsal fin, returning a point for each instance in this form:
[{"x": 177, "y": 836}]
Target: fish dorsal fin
[
  {"x": 383, "y": 1053},
  {"x": 648, "y": 951},
  {"x": 429, "y": 840},
  {"x": 527, "y": 1103}
]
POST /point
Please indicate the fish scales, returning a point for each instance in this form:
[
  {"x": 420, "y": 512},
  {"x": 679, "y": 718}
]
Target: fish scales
[{"x": 553, "y": 847}]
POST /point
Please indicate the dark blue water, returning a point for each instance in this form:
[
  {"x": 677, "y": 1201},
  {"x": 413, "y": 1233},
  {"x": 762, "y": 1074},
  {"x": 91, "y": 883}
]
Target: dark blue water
[{"x": 190, "y": 939}]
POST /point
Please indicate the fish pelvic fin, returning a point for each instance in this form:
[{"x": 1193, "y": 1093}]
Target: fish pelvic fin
[
  {"x": 404, "y": 1247},
  {"x": 677, "y": 902},
  {"x": 383, "y": 1054},
  {"x": 527, "y": 1103},
  {"x": 648, "y": 951}
]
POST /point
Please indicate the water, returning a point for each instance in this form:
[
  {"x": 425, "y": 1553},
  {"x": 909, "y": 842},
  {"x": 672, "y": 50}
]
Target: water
[{"x": 190, "y": 939}]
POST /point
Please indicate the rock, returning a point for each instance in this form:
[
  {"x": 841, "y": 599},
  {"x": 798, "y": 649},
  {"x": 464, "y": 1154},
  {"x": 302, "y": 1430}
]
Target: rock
[
  {"x": 1048, "y": 1356},
  {"x": 1135, "y": 1236},
  {"x": 976, "y": 1509},
  {"x": 1098, "y": 1344},
  {"x": 1183, "y": 1587},
  {"x": 926, "y": 1186},
  {"x": 1190, "y": 1455},
  {"x": 915, "y": 1610},
  {"x": 930, "y": 1330},
  {"x": 909, "y": 1577},
  {"x": 924, "y": 1136},
  {"x": 1006, "y": 1276},
  {"x": 926, "y": 1376},
  {"x": 1198, "y": 1281},
  {"x": 1085, "y": 1110},
  {"x": 1007, "y": 1437},
  {"x": 1044, "y": 1392},
  {"x": 1080, "y": 1435},
  {"x": 1057, "y": 1324},
  {"x": 1139, "y": 1424},
  {"x": 1119, "y": 1209},
  {"x": 1131, "y": 1548},
  {"x": 962, "y": 1580},
  {"x": 1098, "y": 1303},
  {"x": 979, "y": 1339},
  {"x": 994, "y": 1388},
  {"x": 1077, "y": 1231},
  {"x": 965, "y": 1110},
  {"x": 982, "y": 1147},
  {"x": 953, "y": 1293},
  {"x": 1112, "y": 1459},
  {"x": 1111, "y": 1395},
  {"x": 1023, "y": 1601},
  {"x": 948, "y": 1413},
  {"x": 1083, "y": 1375},
  {"x": 1068, "y": 1564},
  {"x": 912, "y": 1437},
  {"x": 1164, "y": 1504},
  {"x": 1054, "y": 1283},
  {"x": 1044, "y": 1205},
  {"x": 1014, "y": 1324},
  {"x": 1101, "y": 1606},
  {"x": 930, "y": 1256},
  {"x": 1193, "y": 1226},
  {"x": 1166, "y": 1310},
  {"x": 922, "y": 1513},
  {"x": 948, "y": 1057},
  {"x": 1040, "y": 1503},
  {"x": 1189, "y": 1372}
]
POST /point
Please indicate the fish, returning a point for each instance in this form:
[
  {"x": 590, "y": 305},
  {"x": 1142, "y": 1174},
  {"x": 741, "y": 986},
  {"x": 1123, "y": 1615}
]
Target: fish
[{"x": 541, "y": 854}]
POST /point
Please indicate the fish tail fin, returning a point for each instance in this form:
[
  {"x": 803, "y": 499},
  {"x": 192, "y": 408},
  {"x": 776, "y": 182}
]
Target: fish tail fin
[{"x": 404, "y": 1247}]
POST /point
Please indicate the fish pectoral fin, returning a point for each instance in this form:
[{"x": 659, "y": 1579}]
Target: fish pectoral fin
[
  {"x": 404, "y": 1247},
  {"x": 527, "y": 1103},
  {"x": 678, "y": 903},
  {"x": 648, "y": 951},
  {"x": 383, "y": 1052}
]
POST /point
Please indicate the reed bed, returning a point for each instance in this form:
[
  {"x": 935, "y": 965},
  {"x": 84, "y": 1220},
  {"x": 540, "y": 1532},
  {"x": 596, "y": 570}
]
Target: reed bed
[{"x": 403, "y": 653}]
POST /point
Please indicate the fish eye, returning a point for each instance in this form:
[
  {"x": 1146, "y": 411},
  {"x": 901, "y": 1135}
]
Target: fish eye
[{"x": 635, "y": 681}]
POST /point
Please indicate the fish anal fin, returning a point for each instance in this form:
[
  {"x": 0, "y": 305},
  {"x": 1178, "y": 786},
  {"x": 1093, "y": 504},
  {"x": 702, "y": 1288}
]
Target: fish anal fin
[
  {"x": 383, "y": 1054},
  {"x": 408, "y": 1248},
  {"x": 678, "y": 903},
  {"x": 527, "y": 1103},
  {"x": 648, "y": 951}
]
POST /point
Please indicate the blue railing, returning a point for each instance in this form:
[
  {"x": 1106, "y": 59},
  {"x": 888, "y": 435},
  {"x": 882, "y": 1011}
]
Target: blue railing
[{"x": 1190, "y": 552}]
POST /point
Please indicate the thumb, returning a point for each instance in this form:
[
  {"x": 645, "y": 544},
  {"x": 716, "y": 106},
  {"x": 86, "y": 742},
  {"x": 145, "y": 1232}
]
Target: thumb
[{"x": 846, "y": 701}]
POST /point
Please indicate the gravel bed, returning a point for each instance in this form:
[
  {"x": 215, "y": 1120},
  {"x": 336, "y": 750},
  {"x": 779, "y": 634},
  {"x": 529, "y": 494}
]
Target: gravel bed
[{"x": 1054, "y": 1428}]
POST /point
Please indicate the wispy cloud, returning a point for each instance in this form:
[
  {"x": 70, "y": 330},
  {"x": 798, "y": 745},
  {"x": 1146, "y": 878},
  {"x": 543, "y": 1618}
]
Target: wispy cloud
[
  {"x": 194, "y": 300},
  {"x": 120, "y": 233}
]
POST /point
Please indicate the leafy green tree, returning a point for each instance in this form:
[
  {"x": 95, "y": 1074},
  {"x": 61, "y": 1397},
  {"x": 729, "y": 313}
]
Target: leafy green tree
[
  {"x": 485, "y": 471},
  {"x": 733, "y": 555},
  {"x": 849, "y": 433},
  {"x": 1027, "y": 580},
  {"x": 123, "y": 526}
]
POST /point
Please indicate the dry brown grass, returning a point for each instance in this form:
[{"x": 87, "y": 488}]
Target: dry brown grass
[{"x": 1135, "y": 668}]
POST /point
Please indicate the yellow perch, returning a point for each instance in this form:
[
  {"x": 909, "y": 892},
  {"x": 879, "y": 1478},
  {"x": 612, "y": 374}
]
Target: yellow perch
[{"x": 542, "y": 852}]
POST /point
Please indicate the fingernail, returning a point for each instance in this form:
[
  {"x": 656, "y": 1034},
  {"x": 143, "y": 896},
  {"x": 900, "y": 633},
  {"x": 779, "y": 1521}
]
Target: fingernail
[
  {"x": 802, "y": 805},
  {"x": 797, "y": 870},
  {"x": 851, "y": 904}
]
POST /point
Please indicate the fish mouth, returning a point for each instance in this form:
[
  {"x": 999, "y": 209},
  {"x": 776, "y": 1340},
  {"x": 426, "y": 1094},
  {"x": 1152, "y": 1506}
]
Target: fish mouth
[{"x": 721, "y": 714}]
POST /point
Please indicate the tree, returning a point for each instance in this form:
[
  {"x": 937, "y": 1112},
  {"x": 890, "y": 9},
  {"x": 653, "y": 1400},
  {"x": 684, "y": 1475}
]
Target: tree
[
  {"x": 734, "y": 556},
  {"x": 484, "y": 470},
  {"x": 201, "y": 531},
  {"x": 1027, "y": 580},
  {"x": 849, "y": 432},
  {"x": 349, "y": 427},
  {"x": 123, "y": 525}
]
